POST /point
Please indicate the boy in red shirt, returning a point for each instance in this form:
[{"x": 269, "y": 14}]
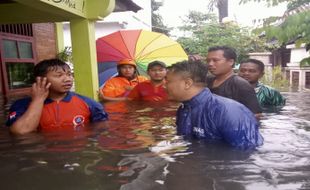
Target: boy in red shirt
[{"x": 153, "y": 89}]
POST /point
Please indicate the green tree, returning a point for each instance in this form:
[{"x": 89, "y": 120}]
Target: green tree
[
  {"x": 293, "y": 26},
  {"x": 203, "y": 31},
  {"x": 157, "y": 20}
]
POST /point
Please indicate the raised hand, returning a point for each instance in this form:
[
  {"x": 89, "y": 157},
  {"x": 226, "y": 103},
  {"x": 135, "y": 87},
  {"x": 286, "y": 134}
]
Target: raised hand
[
  {"x": 40, "y": 89},
  {"x": 128, "y": 87}
]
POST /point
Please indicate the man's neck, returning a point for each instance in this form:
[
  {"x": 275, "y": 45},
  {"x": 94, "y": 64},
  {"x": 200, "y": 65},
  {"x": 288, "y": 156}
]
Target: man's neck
[
  {"x": 219, "y": 79},
  {"x": 194, "y": 92},
  {"x": 254, "y": 84},
  {"x": 57, "y": 96},
  {"x": 131, "y": 78},
  {"x": 157, "y": 82}
]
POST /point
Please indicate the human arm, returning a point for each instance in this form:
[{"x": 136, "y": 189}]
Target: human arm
[
  {"x": 97, "y": 112},
  {"x": 134, "y": 93},
  {"x": 240, "y": 128},
  {"x": 29, "y": 121},
  {"x": 112, "y": 91},
  {"x": 246, "y": 95},
  {"x": 106, "y": 98}
]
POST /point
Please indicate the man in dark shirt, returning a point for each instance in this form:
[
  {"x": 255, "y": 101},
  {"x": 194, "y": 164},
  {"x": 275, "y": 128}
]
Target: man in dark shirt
[{"x": 221, "y": 60}]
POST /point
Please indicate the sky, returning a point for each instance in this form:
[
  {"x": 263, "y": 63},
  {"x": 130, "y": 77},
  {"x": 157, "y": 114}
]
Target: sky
[{"x": 173, "y": 10}]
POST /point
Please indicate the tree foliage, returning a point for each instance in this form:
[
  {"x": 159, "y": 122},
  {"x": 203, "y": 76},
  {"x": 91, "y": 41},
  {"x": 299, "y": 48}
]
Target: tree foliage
[
  {"x": 203, "y": 31},
  {"x": 269, "y": 2},
  {"x": 293, "y": 26},
  {"x": 275, "y": 78},
  {"x": 157, "y": 20}
]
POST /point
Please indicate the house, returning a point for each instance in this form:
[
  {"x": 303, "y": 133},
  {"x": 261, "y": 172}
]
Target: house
[
  {"x": 32, "y": 34},
  {"x": 297, "y": 75},
  {"x": 290, "y": 56},
  {"x": 139, "y": 18}
]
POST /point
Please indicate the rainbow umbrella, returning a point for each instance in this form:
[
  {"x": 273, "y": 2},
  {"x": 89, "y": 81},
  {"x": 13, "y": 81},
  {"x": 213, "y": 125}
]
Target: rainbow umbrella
[{"x": 139, "y": 45}]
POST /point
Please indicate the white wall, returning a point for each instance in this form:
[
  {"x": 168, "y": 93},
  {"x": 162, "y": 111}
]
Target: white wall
[
  {"x": 120, "y": 20},
  {"x": 297, "y": 54}
]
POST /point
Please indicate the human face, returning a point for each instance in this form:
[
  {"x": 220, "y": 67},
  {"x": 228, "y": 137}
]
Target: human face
[
  {"x": 250, "y": 72},
  {"x": 127, "y": 71},
  {"x": 218, "y": 64},
  {"x": 157, "y": 73},
  {"x": 61, "y": 79},
  {"x": 176, "y": 86}
]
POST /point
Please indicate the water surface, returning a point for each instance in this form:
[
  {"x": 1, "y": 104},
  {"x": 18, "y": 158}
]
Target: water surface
[{"x": 138, "y": 149}]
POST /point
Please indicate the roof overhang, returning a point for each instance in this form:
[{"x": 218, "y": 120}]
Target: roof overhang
[{"x": 36, "y": 11}]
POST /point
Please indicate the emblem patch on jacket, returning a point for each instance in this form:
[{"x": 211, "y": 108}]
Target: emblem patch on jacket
[{"x": 78, "y": 120}]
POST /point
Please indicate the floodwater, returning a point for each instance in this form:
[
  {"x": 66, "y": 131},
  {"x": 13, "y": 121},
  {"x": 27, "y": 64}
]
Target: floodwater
[{"x": 138, "y": 149}]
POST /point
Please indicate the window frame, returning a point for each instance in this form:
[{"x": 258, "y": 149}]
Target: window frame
[{"x": 4, "y": 73}]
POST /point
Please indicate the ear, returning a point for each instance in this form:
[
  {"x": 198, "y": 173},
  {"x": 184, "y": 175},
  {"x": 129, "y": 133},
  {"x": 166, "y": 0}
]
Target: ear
[{"x": 188, "y": 83}]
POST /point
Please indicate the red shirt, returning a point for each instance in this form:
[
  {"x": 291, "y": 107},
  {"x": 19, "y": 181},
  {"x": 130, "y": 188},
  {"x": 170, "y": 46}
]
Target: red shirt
[{"x": 148, "y": 92}]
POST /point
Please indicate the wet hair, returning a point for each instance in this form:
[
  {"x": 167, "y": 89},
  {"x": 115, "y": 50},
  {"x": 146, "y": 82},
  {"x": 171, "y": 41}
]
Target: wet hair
[
  {"x": 229, "y": 53},
  {"x": 259, "y": 64},
  {"x": 196, "y": 70},
  {"x": 41, "y": 69}
]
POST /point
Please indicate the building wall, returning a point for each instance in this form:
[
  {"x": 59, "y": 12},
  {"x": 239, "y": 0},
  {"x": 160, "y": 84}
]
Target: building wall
[
  {"x": 299, "y": 76},
  {"x": 297, "y": 54},
  {"x": 45, "y": 40},
  {"x": 42, "y": 36},
  {"x": 119, "y": 20}
]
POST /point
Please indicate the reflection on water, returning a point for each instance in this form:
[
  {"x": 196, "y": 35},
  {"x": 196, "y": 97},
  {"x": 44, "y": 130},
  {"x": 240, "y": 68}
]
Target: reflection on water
[{"x": 139, "y": 150}]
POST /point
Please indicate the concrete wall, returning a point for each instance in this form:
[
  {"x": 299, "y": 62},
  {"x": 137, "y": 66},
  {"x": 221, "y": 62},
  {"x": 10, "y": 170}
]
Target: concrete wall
[
  {"x": 119, "y": 20},
  {"x": 298, "y": 74},
  {"x": 297, "y": 54}
]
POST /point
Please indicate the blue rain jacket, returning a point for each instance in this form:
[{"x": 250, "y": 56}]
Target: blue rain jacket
[{"x": 212, "y": 117}]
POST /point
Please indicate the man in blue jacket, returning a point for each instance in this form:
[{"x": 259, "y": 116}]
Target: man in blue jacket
[{"x": 204, "y": 115}]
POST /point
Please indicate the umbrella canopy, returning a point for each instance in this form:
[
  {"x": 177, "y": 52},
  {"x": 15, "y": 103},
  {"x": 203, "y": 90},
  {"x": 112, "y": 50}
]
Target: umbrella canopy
[{"x": 139, "y": 45}]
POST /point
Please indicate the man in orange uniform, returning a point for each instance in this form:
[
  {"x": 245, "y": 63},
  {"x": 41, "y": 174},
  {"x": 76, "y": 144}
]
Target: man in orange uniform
[
  {"x": 153, "y": 89},
  {"x": 117, "y": 88},
  {"x": 52, "y": 106}
]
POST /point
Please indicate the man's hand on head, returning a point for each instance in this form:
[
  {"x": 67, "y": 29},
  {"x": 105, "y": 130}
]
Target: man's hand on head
[{"x": 40, "y": 88}]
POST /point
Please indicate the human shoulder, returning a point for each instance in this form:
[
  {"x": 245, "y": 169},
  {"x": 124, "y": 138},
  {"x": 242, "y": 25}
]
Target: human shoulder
[
  {"x": 17, "y": 109},
  {"x": 87, "y": 100},
  {"x": 239, "y": 80},
  {"x": 142, "y": 78},
  {"x": 210, "y": 80},
  {"x": 262, "y": 85},
  {"x": 145, "y": 83},
  {"x": 23, "y": 102},
  {"x": 115, "y": 80}
]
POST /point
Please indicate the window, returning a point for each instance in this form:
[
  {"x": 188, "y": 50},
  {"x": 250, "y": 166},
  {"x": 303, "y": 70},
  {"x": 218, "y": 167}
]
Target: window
[
  {"x": 20, "y": 75},
  {"x": 10, "y": 49},
  {"x": 17, "y": 59},
  {"x": 17, "y": 49}
]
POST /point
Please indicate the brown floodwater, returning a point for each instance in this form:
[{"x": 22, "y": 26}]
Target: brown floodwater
[{"x": 138, "y": 149}]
